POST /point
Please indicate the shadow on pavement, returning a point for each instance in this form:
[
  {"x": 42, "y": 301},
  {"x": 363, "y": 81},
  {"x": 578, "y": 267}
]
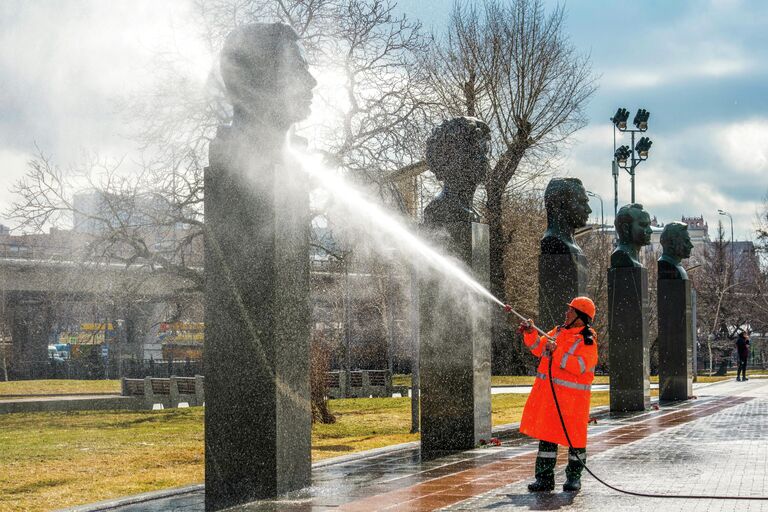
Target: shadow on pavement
[{"x": 535, "y": 501}]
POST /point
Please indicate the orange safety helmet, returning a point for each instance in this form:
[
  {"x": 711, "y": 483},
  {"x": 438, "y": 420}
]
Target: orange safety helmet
[{"x": 585, "y": 305}]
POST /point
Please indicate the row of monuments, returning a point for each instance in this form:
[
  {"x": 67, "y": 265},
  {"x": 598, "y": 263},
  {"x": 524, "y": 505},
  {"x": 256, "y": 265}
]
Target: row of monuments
[{"x": 258, "y": 415}]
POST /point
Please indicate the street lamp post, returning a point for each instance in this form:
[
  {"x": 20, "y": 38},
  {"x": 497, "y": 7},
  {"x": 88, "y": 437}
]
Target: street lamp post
[
  {"x": 629, "y": 157},
  {"x": 602, "y": 216},
  {"x": 730, "y": 218}
]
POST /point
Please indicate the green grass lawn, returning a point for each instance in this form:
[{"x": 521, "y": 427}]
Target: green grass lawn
[{"x": 57, "y": 387}]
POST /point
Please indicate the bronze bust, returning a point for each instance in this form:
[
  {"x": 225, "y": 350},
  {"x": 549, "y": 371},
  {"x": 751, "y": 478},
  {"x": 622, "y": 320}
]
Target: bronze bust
[
  {"x": 676, "y": 244},
  {"x": 633, "y": 227},
  {"x": 567, "y": 209},
  {"x": 457, "y": 153},
  {"x": 266, "y": 76}
]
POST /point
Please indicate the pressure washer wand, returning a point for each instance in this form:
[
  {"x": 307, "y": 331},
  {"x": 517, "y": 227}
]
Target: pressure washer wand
[{"x": 509, "y": 309}]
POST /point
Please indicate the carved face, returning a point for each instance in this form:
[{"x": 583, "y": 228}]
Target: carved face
[
  {"x": 294, "y": 84},
  {"x": 579, "y": 207},
  {"x": 682, "y": 245},
  {"x": 478, "y": 155},
  {"x": 266, "y": 74},
  {"x": 640, "y": 230},
  {"x": 676, "y": 241}
]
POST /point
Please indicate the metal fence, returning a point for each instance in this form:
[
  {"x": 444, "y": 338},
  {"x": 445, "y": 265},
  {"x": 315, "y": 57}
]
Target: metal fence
[{"x": 96, "y": 369}]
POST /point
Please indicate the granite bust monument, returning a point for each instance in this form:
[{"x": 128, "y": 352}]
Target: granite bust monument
[
  {"x": 633, "y": 227},
  {"x": 457, "y": 153},
  {"x": 568, "y": 208},
  {"x": 676, "y": 244},
  {"x": 257, "y": 416},
  {"x": 675, "y": 316},
  {"x": 455, "y": 346}
]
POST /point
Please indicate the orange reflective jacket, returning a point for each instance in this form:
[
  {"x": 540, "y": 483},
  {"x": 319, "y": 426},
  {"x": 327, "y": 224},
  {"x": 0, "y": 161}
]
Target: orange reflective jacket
[{"x": 573, "y": 369}]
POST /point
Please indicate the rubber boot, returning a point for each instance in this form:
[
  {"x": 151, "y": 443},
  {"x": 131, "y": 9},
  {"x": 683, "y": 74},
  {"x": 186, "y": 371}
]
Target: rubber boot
[
  {"x": 574, "y": 468},
  {"x": 545, "y": 468}
]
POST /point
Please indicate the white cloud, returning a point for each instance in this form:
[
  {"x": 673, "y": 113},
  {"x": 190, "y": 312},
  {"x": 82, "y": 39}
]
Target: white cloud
[
  {"x": 671, "y": 72},
  {"x": 744, "y": 146},
  {"x": 13, "y": 165}
]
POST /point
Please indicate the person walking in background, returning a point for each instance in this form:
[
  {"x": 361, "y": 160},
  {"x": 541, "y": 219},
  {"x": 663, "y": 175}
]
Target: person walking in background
[
  {"x": 572, "y": 348},
  {"x": 742, "y": 350}
]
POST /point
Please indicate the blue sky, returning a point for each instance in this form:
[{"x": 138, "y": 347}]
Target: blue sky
[{"x": 699, "y": 67}]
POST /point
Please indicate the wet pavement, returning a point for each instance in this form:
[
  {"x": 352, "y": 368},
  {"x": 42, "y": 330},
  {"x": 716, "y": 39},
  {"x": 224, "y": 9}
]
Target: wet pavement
[{"x": 714, "y": 445}]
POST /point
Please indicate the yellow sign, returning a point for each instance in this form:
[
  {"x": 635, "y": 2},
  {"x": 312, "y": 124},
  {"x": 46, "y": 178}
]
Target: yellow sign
[{"x": 96, "y": 327}]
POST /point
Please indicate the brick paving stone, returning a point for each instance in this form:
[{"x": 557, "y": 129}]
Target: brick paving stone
[{"x": 723, "y": 453}]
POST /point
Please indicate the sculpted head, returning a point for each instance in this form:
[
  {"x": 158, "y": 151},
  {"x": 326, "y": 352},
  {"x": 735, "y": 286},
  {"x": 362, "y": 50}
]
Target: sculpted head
[
  {"x": 266, "y": 74},
  {"x": 457, "y": 153},
  {"x": 676, "y": 241},
  {"x": 567, "y": 204},
  {"x": 633, "y": 226}
]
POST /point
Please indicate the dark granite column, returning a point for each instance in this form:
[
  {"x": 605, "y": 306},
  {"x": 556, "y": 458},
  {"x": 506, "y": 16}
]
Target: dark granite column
[
  {"x": 31, "y": 318},
  {"x": 629, "y": 356},
  {"x": 675, "y": 315},
  {"x": 561, "y": 278},
  {"x": 455, "y": 350},
  {"x": 257, "y": 417},
  {"x": 675, "y": 339}
]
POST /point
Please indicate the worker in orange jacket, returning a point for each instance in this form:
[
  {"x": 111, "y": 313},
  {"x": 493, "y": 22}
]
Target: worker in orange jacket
[{"x": 573, "y": 350}]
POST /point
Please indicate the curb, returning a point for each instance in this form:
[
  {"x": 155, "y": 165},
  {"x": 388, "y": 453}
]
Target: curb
[{"x": 135, "y": 499}]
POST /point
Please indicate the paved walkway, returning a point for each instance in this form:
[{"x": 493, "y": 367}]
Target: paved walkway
[{"x": 716, "y": 444}]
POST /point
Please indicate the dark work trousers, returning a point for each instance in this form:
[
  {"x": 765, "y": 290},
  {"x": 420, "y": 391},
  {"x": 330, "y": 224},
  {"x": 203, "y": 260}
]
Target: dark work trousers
[
  {"x": 741, "y": 372},
  {"x": 547, "y": 459}
]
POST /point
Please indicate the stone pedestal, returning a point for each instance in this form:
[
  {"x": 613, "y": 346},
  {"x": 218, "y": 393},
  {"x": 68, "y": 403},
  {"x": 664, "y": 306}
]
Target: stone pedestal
[
  {"x": 675, "y": 339},
  {"x": 31, "y": 319},
  {"x": 257, "y": 397},
  {"x": 561, "y": 278},
  {"x": 455, "y": 351},
  {"x": 629, "y": 356}
]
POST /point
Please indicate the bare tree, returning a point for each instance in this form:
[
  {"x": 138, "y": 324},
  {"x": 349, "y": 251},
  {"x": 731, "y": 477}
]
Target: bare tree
[
  {"x": 525, "y": 221},
  {"x": 724, "y": 304},
  {"x": 762, "y": 227},
  {"x": 512, "y": 65},
  {"x": 597, "y": 246},
  {"x": 152, "y": 219}
]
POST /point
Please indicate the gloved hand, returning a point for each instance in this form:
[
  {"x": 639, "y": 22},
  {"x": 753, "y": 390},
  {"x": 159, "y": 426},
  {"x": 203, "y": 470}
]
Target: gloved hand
[{"x": 526, "y": 327}]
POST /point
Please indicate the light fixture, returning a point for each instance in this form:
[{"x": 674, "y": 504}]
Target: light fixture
[
  {"x": 642, "y": 147},
  {"x": 641, "y": 119},
  {"x": 622, "y": 155},
  {"x": 620, "y": 118}
]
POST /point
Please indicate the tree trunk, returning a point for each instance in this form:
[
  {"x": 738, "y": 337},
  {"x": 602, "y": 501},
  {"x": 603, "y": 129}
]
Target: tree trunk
[{"x": 319, "y": 389}]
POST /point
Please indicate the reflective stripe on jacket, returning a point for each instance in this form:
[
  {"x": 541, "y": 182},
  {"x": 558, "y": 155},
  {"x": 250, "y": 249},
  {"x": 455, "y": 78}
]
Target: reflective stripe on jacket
[{"x": 573, "y": 367}]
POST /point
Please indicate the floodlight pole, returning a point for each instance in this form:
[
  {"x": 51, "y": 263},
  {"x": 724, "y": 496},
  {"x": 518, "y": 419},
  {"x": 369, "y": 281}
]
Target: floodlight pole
[
  {"x": 634, "y": 162},
  {"x": 730, "y": 218},
  {"x": 632, "y": 168}
]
